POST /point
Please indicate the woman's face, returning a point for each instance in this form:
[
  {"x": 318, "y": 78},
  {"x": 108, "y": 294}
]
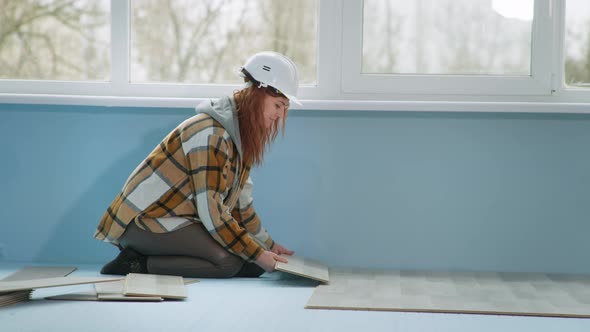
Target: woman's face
[{"x": 274, "y": 108}]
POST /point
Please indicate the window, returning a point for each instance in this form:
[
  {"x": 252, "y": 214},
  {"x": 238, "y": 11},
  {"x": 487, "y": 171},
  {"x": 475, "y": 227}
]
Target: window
[
  {"x": 55, "y": 40},
  {"x": 183, "y": 41},
  {"x": 352, "y": 54},
  {"x": 577, "y": 44},
  {"x": 148, "y": 48},
  {"x": 468, "y": 37},
  {"x": 473, "y": 47}
]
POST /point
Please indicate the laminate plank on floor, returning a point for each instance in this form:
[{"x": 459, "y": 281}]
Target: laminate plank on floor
[
  {"x": 76, "y": 296},
  {"x": 110, "y": 291},
  {"x": 9, "y": 286},
  {"x": 155, "y": 285},
  {"x": 114, "y": 291},
  {"x": 526, "y": 294},
  {"x": 39, "y": 272},
  {"x": 305, "y": 267}
]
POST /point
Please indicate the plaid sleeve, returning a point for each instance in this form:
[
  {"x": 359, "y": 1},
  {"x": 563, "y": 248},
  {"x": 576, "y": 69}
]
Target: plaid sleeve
[
  {"x": 210, "y": 164},
  {"x": 245, "y": 214}
]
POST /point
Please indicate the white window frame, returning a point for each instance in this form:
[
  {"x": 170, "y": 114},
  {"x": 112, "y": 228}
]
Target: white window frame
[
  {"x": 538, "y": 83},
  {"x": 340, "y": 84}
]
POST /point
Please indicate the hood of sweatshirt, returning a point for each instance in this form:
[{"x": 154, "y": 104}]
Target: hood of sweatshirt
[{"x": 224, "y": 110}]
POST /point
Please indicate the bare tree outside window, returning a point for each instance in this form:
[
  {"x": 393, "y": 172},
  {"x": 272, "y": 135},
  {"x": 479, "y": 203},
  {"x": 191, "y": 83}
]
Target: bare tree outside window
[
  {"x": 54, "y": 39},
  {"x": 185, "y": 41},
  {"x": 457, "y": 37}
]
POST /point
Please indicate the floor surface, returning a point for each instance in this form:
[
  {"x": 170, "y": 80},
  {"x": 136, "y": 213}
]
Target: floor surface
[{"x": 274, "y": 302}]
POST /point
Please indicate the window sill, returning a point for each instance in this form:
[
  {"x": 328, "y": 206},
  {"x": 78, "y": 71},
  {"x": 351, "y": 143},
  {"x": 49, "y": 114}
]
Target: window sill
[{"x": 333, "y": 105}]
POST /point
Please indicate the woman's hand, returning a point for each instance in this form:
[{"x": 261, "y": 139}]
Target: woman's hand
[
  {"x": 280, "y": 250},
  {"x": 268, "y": 259}
]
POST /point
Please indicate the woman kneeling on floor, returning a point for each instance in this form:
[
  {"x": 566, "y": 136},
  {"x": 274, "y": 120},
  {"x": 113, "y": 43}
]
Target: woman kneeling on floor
[{"x": 187, "y": 208}]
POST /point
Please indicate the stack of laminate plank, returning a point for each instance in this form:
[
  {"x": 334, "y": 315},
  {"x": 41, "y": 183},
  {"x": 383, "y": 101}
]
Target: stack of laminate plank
[
  {"x": 9, "y": 298},
  {"x": 18, "y": 286},
  {"x": 28, "y": 273}
]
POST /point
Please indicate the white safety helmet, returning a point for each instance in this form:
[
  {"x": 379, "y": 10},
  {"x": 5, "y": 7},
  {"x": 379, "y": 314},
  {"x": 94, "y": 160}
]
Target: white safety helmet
[{"x": 275, "y": 70}]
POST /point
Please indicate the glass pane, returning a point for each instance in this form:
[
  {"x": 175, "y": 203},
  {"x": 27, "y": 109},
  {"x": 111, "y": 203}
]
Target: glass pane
[
  {"x": 206, "y": 41},
  {"x": 577, "y": 43},
  {"x": 55, "y": 39},
  {"x": 481, "y": 37}
]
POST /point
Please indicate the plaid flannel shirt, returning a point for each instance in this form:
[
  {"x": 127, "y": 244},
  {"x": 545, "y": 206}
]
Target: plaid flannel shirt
[{"x": 194, "y": 175}]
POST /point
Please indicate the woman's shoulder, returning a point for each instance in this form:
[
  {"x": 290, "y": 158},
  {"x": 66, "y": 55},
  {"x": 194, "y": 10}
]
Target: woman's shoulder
[
  {"x": 200, "y": 122},
  {"x": 203, "y": 124}
]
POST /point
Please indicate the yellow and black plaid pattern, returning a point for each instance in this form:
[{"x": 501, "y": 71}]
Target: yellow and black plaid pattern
[{"x": 193, "y": 175}]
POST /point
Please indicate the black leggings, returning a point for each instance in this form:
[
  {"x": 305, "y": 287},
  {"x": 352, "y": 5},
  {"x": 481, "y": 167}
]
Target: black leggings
[{"x": 189, "y": 252}]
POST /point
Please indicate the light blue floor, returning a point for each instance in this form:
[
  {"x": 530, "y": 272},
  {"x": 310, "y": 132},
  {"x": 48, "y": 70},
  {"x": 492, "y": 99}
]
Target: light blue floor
[{"x": 272, "y": 303}]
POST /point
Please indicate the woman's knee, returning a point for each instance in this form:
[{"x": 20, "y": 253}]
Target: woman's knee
[{"x": 229, "y": 266}]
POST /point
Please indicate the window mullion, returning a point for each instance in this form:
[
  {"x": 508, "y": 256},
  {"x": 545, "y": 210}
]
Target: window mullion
[
  {"x": 558, "y": 47},
  {"x": 329, "y": 58},
  {"x": 120, "y": 40},
  {"x": 351, "y": 50},
  {"x": 542, "y": 53}
]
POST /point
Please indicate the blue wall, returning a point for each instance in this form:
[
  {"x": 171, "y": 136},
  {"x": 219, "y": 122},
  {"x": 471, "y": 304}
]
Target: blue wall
[{"x": 459, "y": 191}]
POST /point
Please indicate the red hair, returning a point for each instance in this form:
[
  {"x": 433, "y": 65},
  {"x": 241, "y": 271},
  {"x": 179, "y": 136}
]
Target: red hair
[{"x": 255, "y": 137}]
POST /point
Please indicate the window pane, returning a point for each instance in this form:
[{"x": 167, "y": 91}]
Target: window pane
[
  {"x": 483, "y": 37},
  {"x": 577, "y": 43},
  {"x": 206, "y": 41},
  {"x": 55, "y": 39}
]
